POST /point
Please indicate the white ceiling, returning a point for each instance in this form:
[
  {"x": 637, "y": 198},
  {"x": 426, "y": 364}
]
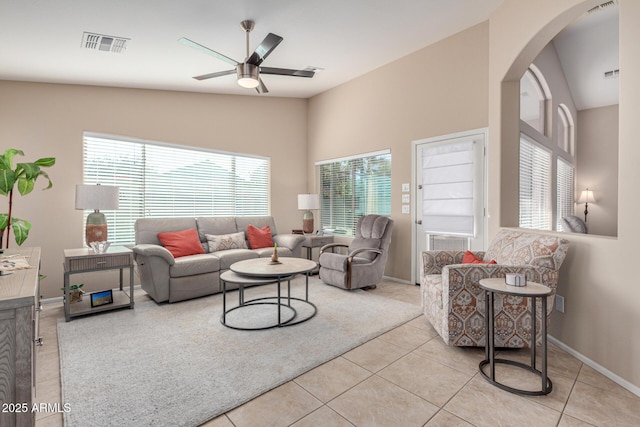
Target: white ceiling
[{"x": 42, "y": 41}]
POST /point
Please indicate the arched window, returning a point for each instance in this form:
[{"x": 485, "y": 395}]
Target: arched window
[
  {"x": 565, "y": 129},
  {"x": 534, "y": 99}
]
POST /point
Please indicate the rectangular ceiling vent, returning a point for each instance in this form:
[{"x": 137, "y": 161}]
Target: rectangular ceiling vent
[
  {"x": 104, "y": 43},
  {"x": 602, "y": 6},
  {"x": 612, "y": 74}
]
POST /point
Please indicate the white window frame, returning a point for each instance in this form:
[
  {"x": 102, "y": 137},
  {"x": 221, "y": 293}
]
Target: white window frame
[
  {"x": 340, "y": 215},
  {"x": 167, "y": 180}
]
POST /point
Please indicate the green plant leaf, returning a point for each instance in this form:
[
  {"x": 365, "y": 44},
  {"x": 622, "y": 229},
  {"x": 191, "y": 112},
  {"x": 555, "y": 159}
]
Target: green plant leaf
[
  {"x": 7, "y": 180},
  {"x": 7, "y": 157},
  {"x": 20, "y": 229},
  {"x": 46, "y": 162},
  {"x": 25, "y": 185},
  {"x": 4, "y": 221},
  {"x": 31, "y": 170},
  {"x": 43, "y": 173}
]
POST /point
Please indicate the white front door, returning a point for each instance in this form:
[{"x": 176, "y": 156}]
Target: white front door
[{"x": 423, "y": 241}]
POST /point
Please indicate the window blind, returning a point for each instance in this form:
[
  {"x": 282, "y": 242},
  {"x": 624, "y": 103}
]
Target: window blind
[
  {"x": 157, "y": 180},
  {"x": 535, "y": 185},
  {"x": 565, "y": 191},
  {"x": 353, "y": 187},
  {"x": 447, "y": 189}
]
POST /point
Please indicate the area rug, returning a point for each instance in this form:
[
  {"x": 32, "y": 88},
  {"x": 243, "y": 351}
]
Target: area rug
[{"x": 176, "y": 365}]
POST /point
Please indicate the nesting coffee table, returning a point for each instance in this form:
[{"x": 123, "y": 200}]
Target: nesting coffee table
[{"x": 261, "y": 271}]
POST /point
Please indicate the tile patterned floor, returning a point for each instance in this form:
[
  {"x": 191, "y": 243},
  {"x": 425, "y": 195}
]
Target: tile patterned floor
[{"x": 406, "y": 377}]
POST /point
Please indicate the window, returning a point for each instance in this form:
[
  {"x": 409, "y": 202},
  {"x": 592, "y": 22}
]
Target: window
[
  {"x": 353, "y": 187},
  {"x": 161, "y": 180},
  {"x": 564, "y": 196},
  {"x": 534, "y": 97},
  {"x": 535, "y": 185},
  {"x": 565, "y": 129}
]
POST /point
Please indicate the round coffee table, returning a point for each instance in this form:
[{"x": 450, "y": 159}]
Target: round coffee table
[{"x": 261, "y": 271}]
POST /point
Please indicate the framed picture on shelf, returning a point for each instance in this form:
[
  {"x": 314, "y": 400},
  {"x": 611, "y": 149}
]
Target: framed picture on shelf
[{"x": 101, "y": 298}]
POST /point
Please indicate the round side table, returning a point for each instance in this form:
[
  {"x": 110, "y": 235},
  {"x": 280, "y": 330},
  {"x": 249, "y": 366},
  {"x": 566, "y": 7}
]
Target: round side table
[{"x": 531, "y": 290}]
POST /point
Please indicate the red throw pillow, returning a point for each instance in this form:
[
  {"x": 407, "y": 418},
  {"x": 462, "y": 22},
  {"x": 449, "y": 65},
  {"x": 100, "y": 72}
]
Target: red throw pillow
[
  {"x": 259, "y": 237},
  {"x": 470, "y": 258},
  {"x": 181, "y": 243}
]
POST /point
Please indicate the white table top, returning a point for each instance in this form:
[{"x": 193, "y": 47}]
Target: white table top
[
  {"x": 532, "y": 289},
  {"x": 262, "y": 267}
]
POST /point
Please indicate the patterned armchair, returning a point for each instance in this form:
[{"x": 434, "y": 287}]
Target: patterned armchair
[{"x": 453, "y": 301}]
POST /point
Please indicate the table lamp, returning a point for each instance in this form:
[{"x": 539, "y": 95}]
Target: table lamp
[
  {"x": 96, "y": 197},
  {"x": 585, "y": 197},
  {"x": 307, "y": 202}
]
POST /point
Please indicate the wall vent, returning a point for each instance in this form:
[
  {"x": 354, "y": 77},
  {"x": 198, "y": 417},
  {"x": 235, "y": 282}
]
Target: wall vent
[
  {"x": 602, "y": 6},
  {"x": 104, "y": 43},
  {"x": 612, "y": 74}
]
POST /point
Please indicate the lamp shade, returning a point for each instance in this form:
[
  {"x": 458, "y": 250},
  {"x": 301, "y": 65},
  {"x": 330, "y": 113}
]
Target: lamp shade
[
  {"x": 586, "y": 196},
  {"x": 308, "y": 202},
  {"x": 97, "y": 197}
]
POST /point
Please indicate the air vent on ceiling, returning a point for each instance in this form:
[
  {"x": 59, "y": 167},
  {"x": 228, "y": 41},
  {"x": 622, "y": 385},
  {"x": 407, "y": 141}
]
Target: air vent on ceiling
[
  {"x": 602, "y": 6},
  {"x": 104, "y": 43},
  {"x": 612, "y": 74}
]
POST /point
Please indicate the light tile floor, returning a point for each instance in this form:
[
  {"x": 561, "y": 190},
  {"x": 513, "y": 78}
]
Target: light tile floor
[{"x": 406, "y": 377}]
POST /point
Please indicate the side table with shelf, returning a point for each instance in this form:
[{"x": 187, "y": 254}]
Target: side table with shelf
[
  {"x": 314, "y": 241},
  {"x": 86, "y": 261}
]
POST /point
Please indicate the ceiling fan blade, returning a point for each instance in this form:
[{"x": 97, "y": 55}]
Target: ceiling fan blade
[
  {"x": 185, "y": 41},
  {"x": 217, "y": 74},
  {"x": 264, "y": 49},
  {"x": 287, "y": 72},
  {"x": 261, "y": 88}
]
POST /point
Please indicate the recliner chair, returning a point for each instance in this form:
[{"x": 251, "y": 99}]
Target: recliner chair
[{"x": 363, "y": 265}]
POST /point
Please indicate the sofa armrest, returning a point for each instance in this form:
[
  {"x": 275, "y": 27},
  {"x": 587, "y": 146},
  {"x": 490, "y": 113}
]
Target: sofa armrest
[
  {"x": 289, "y": 241},
  {"x": 150, "y": 250}
]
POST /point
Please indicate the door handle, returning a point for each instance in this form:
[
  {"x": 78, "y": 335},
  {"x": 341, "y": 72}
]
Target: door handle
[{"x": 419, "y": 222}]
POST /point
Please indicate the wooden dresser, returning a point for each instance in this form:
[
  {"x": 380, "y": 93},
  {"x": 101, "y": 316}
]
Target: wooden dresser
[{"x": 19, "y": 312}]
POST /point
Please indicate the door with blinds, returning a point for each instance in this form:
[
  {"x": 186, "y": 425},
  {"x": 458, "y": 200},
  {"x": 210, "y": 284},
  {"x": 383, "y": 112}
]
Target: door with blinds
[{"x": 449, "y": 194}]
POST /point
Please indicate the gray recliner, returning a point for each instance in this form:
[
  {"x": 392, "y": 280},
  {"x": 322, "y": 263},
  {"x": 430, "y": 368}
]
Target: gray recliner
[{"x": 363, "y": 264}]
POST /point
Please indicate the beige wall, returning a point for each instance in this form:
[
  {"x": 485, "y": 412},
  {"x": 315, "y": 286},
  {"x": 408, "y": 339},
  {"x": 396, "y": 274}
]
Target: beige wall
[
  {"x": 438, "y": 90},
  {"x": 597, "y": 167},
  {"x": 48, "y": 120},
  {"x": 602, "y": 307}
]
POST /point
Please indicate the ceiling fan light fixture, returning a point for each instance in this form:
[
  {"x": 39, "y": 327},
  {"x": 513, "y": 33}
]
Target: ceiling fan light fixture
[{"x": 248, "y": 75}]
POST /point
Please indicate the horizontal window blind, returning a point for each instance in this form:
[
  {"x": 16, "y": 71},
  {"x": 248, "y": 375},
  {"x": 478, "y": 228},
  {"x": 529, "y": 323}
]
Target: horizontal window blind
[
  {"x": 535, "y": 185},
  {"x": 158, "y": 180},
  {"x": 565, "y": 192},
  {"x": 353, "y": 187},
  {"x": 447, "y": 189}
]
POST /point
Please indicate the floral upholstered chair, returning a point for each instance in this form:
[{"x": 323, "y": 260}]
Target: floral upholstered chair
[{"x": 453, "y": 301}]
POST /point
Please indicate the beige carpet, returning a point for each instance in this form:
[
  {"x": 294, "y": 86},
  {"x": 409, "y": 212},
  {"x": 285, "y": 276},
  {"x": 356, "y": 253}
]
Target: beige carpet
[{"x": 176, "y": 365}]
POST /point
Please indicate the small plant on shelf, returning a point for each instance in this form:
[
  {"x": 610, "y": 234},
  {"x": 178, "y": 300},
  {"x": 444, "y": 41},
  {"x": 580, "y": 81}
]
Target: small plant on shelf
[{"x": 75, "y": 292}]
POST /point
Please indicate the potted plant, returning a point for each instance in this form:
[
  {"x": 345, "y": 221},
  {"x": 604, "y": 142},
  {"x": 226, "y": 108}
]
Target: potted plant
[
  {"x": 75, "y": 292},
  {"x": 24, "y": 175}
]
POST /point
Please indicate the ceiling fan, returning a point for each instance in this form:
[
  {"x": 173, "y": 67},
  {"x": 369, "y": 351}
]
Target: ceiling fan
[{"x": 249, "y": 71}]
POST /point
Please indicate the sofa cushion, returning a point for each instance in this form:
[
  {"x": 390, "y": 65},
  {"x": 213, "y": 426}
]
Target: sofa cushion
[
  {"x": 230, "y": 256},
  {"x": 226, "y": 241},
  {"x": 259, "y": 237},
  {"x": 216, "y": 226},
  {"x": 471, "y": 258},
  {"x": 192, "y": 265},
  {"x": 181, "y": 243}
]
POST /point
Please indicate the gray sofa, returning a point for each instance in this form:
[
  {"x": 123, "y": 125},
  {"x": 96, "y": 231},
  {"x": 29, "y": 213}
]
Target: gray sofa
[{"x": 166, "y": 278}]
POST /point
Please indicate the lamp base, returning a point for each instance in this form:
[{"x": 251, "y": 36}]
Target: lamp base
[
  {"x": 96, "y": 230},
  {"x": 307, "y": 223}
]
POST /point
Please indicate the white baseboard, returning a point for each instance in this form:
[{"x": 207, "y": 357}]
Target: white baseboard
[
  {"x": 604, "y": 371},
  {"x": 395, "y": 279}
]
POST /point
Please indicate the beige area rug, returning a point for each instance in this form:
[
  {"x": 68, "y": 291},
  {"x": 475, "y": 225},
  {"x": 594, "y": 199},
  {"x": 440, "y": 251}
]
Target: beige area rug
[{"x": 176, "y": 365}]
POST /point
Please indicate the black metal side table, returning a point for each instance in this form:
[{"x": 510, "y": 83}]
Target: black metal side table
[{"x": 531, "y": 290}]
